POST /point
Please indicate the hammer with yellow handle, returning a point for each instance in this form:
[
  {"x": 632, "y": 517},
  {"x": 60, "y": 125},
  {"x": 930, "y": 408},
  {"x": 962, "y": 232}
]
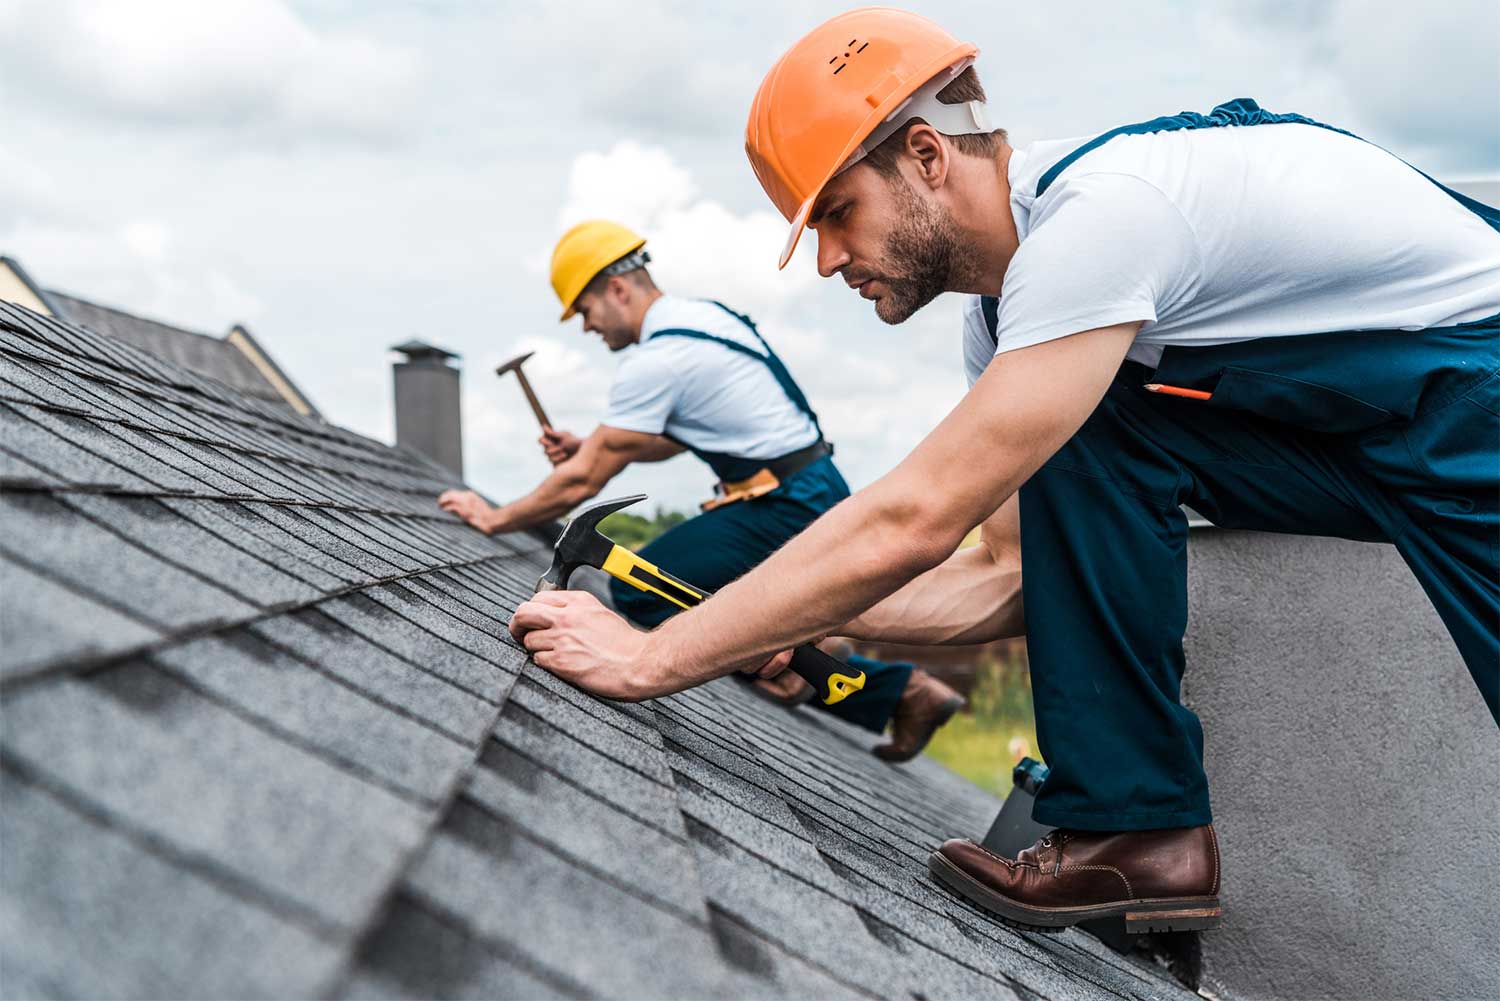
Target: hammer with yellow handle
[{"x": 583, "y": 545}]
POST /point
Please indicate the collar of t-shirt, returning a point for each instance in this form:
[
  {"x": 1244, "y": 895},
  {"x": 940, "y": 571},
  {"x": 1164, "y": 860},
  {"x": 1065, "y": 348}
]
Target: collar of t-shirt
[{"x": 670, "y": 312}]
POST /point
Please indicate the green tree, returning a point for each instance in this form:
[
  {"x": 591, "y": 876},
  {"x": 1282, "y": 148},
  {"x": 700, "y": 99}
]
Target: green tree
[{"x": 633, "y": 531}]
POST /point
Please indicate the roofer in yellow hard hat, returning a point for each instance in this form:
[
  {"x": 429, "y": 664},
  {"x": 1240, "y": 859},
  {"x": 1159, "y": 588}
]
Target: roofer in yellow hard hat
[
  {"x": 1254, "y": 314},
  {"x": 696, "y": 376}
]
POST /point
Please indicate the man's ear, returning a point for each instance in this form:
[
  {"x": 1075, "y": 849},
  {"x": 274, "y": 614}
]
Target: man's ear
[
  {"x": 618, "y": 289},
  {"x": 928, "y": 154}
]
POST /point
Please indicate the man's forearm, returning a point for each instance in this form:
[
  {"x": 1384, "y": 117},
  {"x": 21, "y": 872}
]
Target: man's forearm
[
  {"x": 558, "y": 494},
  {"x": 974, "y": 596},
  {"x": 969, "y": 598}
]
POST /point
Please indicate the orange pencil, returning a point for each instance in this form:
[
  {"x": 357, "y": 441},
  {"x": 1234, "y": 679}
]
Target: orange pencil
[{"x": 1190, "y": 394}]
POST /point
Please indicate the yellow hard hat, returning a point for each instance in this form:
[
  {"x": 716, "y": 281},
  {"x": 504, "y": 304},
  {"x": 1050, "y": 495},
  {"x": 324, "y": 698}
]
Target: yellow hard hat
[{"x": 583, "y": 252}]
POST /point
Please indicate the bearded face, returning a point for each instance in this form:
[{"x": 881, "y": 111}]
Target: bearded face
[
  {"x": 607, "y": 319},
  {"x": 916, "y": 263},
  {"x": 899, "y": 249}
]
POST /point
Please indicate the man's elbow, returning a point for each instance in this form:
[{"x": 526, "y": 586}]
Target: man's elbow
[
  {"x": 579, "y": 492},
  {"x": 576, "y": 486},
  {"x": 915, "y": 535}
]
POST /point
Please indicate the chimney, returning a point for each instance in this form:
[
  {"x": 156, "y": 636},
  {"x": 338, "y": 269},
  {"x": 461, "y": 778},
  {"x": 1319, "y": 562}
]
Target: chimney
[{"x": 427, "y": 404}]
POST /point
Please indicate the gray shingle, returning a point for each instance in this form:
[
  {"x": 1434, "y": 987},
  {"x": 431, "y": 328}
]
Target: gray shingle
[
  {"x": 90, "y": 912},
  {"x": 60, "y": 445},
  {"x": 376, "y": 740},
  {"x": 491, "y": 641},
  {"x": 341, "y": 651},
  {"x": 414, "y": 642},
  {"x": 628, "y": 947},
  {"x": 95, "y": 560},
  {"x": 56, "y": 624},
  {"x": 168, "y": 763},
  {"x": 418, "y": 952},
  {"x": 240, "y": 528},
  {"x": 588, "y": 754},
  {"x": 298, "y": 524},
  {"x": 211, "y": 356},
  {"x": 578, "y": 822},
  {"x": 250, "y": 575}
]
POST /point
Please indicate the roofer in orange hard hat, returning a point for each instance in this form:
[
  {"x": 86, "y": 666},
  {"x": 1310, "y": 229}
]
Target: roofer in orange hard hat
[
  {"x": 696, "y": 376},
  {"x": 1253, "y": 314}
]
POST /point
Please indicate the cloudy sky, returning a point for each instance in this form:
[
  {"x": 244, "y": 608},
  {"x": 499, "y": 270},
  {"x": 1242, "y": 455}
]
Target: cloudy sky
[{"x": 342, "y": 176}]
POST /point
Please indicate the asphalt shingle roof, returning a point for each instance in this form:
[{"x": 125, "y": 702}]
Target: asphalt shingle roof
[
  {"x": 265, "y": 734},
  {"x": 215, "y": 357}
]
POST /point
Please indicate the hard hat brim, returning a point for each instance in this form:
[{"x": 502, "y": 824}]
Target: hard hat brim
[{"x": 799, "y": 223}]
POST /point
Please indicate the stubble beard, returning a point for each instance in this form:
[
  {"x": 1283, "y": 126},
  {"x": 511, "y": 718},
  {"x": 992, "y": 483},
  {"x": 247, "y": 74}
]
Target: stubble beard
[{"x": 924, "y": 240}]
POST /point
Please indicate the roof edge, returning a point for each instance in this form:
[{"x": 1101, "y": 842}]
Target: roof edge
[
  {"x": 49, "y": 305},
  {"x": 240, "y": 336}
]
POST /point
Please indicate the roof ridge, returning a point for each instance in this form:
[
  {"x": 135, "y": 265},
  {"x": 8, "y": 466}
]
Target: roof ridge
[{"x": 120, "y": 311}]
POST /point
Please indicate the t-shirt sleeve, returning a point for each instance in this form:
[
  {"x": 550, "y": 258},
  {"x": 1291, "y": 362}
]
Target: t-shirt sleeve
[
  {"x": 1103, "y": 249},
  {"x": 979, "y": 350},
  {"x": 643, "y": 395}
]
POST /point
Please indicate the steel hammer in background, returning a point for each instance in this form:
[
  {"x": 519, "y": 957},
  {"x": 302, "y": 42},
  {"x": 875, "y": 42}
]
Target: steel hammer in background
[
  {"x": 583, "y": 545},
  {"x": 514, "y": 365}
]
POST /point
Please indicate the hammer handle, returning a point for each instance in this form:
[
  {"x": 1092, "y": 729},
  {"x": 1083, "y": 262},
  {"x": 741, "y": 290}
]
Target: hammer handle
[
  {"x": 830, "y": 677},
  {"x": 536, "y": 405}
]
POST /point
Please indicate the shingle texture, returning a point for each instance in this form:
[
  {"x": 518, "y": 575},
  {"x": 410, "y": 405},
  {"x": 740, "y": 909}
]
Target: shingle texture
[
  {"x": 265, "y": 734},
  {"x": 214, "y": 357}
]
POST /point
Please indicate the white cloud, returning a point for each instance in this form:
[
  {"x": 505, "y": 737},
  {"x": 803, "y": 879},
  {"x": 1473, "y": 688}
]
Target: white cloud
[
  {"x": 139, "y": 266},
  {"x": 699, "y": 247},
  {"x": 226, "y": 64}
]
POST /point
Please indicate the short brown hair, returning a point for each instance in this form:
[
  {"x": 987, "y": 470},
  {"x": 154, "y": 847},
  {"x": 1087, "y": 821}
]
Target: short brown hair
[
  {"x": 965, "y": 87},
  {"x": 639, "y": 277}
]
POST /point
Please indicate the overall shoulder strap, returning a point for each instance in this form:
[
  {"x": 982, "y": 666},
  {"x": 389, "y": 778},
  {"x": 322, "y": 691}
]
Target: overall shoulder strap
[
  {"x": 1244, "y": 112},
  {"x": 1240, "y": 111},
  {"x": 769, "y": 359},
  {"x": 990, "y": 306},
  {"x": 701, "y": 335}
]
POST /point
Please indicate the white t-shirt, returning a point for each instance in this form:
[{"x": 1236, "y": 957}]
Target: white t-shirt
[
  {"x": 1218, "y": 235},
  {"x": 701, "y": 393}
]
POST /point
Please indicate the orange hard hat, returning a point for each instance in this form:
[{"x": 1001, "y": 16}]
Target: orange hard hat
[{"x": 831, "y": 90}]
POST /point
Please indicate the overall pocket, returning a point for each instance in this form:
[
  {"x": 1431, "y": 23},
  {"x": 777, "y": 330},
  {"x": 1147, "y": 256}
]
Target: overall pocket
[{"x": 1296, "y": 402}]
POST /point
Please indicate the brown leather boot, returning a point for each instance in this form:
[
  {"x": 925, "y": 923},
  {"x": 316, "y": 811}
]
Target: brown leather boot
[
  {"x": 926, "y": 704},
  {"x": 1165, "y": 880}
]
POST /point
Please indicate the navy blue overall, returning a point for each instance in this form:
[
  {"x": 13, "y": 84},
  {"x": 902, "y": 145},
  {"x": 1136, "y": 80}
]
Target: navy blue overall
[
  {"x": 1381, "y": 436},
  {"x": 717, "y": 546}
]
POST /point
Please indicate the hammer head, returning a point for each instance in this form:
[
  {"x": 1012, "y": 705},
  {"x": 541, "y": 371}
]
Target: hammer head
[
  {"x": 582, "y": 544},
  {"x": 514, "y": 363}
]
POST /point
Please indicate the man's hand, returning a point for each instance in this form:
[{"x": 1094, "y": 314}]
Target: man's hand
[
  {"x": 470, "y": 507},
  {"x": 576, "y": 638},
  {"x": 560, "y": 446},
  {"x": 771, "y": 668}
]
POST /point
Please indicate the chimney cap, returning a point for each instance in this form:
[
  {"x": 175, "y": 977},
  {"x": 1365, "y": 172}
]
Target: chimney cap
[{"x": 416, "y": 350}]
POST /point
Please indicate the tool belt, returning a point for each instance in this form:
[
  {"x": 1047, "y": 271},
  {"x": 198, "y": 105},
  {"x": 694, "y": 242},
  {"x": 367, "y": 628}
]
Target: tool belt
[{"x": 769, "y": 477}]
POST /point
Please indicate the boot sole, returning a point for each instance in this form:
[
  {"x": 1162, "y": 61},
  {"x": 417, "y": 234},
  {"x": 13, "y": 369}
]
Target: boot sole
[{"x": 1140, "y": 916}]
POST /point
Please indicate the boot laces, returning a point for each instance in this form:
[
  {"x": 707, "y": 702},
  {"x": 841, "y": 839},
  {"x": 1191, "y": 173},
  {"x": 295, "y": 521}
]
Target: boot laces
[{"x": 1056, "y": 839}]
